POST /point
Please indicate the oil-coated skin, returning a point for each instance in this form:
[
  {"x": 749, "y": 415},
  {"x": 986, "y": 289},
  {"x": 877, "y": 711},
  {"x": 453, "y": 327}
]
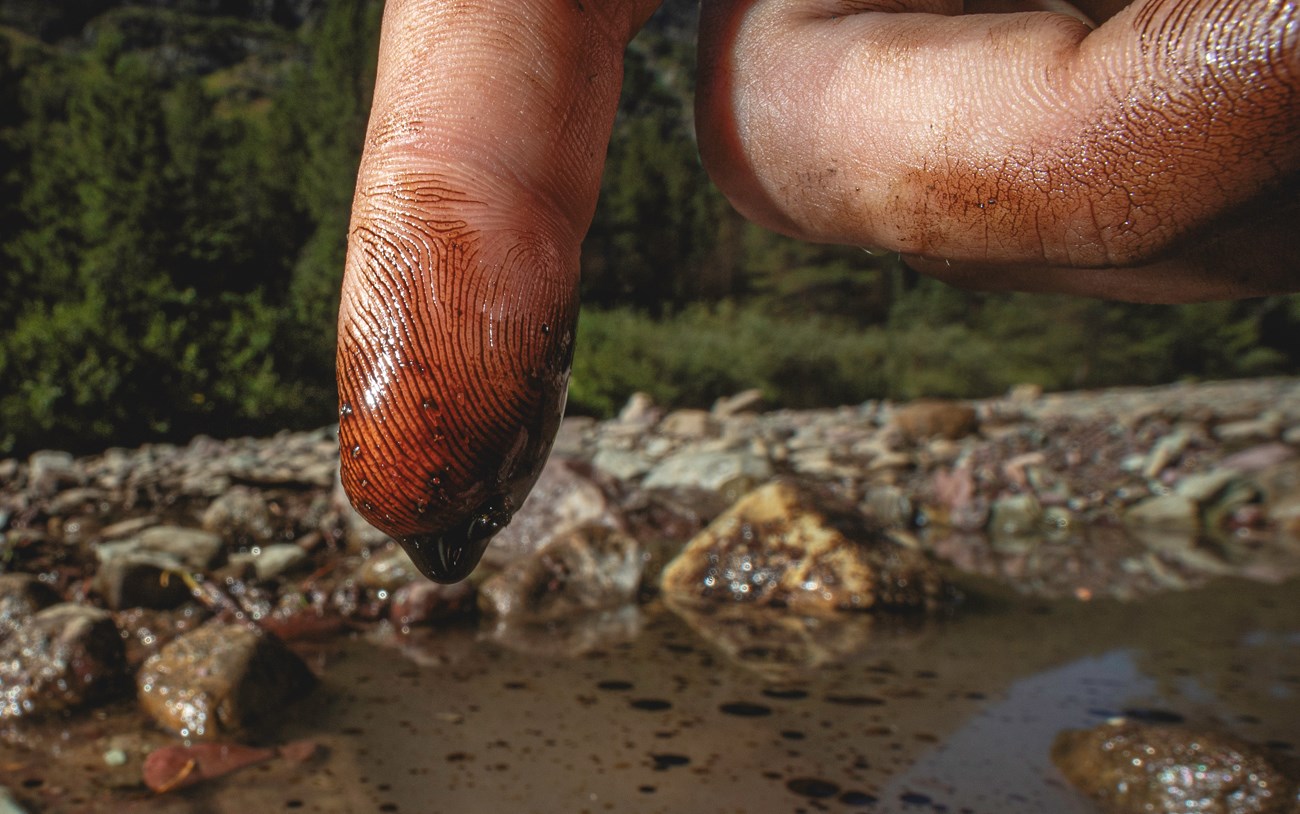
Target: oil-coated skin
[{"x": 1153, "y": 158}]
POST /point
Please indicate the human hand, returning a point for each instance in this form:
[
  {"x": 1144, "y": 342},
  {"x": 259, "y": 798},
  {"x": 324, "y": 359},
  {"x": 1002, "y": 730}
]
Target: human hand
[{"x": 1152, "y": 159}]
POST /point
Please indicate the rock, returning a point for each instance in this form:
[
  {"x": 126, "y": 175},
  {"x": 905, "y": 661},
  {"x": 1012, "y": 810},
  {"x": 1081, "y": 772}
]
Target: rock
[
  {"x": 127, "y": 528},
  {"x": 587, "y": 568},
  {"x": 219, "y": 680},
  {"x": 1171, "y": 512},
  {"x": 359, "y": 534},
  {"x": 746, "y": 401},
  {"x": 141, "y": 579},
  {"x": 1025, "y": 393},
  {"x": 50, "y": 470},
  {"x": 889, "y": 506},
  {"x": 1015, "y": 516},
  {"x": 146, "y": 571},
  {"x": 1165, "y": 452},
  {"x": 1204, "y": 487},
  {"x": 571, "y": 440},
  {"x": 70, "y": 501},
  {"x": 194, "y": 549},
  {"x": 562, "y": 499},
  {"x": 1267, "y": 426},
  {"x": 622, "y": 464},
  {"x": 65, "y": 656},
  {"x": 738, "y": 470},
  {"x": 931, "y": 418},
  {"x": 422, "y": 602},
  {"x": 276, "y": 559},
  {"x": 8, "y": 805},
  {"x": 1257, "y": 458},
  {"x": 240, "y": 514},
  {"x": 786, "y": 545},
  {"x": 692, "y": 425},
  {"x": 387, "y": 569},
  {"x": 21, "y": 597},
  {"x": 1133, "y": 767},
  {"x": 639, "y": 410}
]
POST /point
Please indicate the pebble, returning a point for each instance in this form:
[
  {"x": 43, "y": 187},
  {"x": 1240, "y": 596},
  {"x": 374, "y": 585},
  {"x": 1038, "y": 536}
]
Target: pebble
[
  {"x": 220, "y": 679},
  {"x": 62, "y": 657}
]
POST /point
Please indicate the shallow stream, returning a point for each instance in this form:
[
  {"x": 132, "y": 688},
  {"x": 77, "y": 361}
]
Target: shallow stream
[{"x": 647, "y": 710}]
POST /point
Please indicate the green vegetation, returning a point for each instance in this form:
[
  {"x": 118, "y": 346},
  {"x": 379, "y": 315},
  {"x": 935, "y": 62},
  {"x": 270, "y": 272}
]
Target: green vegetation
[{"x": 174, "y": 195}]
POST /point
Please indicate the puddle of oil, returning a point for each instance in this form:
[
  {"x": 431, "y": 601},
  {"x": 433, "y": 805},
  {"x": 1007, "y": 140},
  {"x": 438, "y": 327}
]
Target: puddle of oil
[{"x": 660, "y": 717}]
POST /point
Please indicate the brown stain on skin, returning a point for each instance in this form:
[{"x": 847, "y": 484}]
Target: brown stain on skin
[{"x": 453, "y": 361}]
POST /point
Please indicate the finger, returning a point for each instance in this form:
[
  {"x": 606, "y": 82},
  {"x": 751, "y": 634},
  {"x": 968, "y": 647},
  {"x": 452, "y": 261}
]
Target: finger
[
  {"x": 478, "y": 180},
  {"x": 1011, "y": 138}
]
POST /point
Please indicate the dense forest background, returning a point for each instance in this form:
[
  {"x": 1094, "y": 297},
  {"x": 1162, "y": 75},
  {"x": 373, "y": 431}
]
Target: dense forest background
[{"x": 175, "y": 179}]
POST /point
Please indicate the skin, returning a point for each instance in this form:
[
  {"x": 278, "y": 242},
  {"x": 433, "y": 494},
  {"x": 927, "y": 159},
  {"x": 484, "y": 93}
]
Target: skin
[{"x": 1145, "y": 152}]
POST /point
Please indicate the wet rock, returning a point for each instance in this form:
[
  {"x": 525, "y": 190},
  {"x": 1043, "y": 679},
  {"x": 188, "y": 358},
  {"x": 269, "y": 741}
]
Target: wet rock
[
  {"x": 562, "y": 499},
  {"x": 587, "y": 568},
  {"x": 1204, "y": 487},
  {"x": 1133, "y": 767},
  {"x": 423, "y": 602},
  {"x": 1015, "y": 516},
  {"x": 387, "y": 570},
  {"x": 21, "y": 597},
  {"x": 277, "y": 559},
  {"x": 147, "y": 570},
  {"x": 141, "y": 579},
  {"x": 194, "y": 549},
  {"x": 240, "y": 514},
  {"x": 710, "y": 471},
  {"x": 789, "y": 546},
  {"x": 65, "y": 656},
  {"x": 622, "y": 464},
  {"x": 929, "y": 418},
  {"x": 219, "y": 680},
  {"x": 1177, "y": 513}
]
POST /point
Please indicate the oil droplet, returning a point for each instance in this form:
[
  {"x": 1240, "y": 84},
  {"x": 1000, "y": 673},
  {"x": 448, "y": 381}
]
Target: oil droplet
[
  {"x": 356, "y": 450},
  {"x": 650, "y": 704},
  {"x": 546, "y": 328},
  {"x": 664, "y": 762},
  {"x": 812, "y": 787},
  {"x": 745, "y": 710},
  {"x": 345, "y": 410},
  {"x": 451, "y": 556}
]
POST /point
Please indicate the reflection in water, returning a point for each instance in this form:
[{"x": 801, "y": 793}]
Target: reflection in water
[
  {"x": 1011, "y": 740},
  {"x": 649, "y": 711}
]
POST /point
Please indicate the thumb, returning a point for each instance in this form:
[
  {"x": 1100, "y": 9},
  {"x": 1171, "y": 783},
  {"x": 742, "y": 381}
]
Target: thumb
[{"x": 478, "y": 181}]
